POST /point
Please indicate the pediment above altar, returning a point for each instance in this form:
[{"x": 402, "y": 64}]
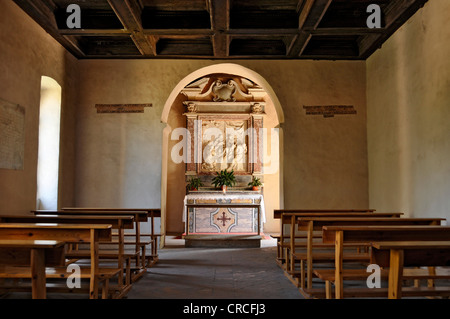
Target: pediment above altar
[{"x": 222, "y": 88}]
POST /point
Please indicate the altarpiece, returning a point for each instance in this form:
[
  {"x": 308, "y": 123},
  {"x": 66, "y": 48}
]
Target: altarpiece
[{"x": 224, "y": 120}]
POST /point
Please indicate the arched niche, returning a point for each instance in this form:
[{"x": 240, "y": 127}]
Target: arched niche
[{"x": 173, "y": 174}]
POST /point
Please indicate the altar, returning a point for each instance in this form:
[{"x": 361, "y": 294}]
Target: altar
[
  {"x": 213, "y": 212},
  {"x": 224, "y": 132}
]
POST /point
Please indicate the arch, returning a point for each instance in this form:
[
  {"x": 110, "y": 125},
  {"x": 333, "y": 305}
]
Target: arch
[
  {"x": 173, "y": 100},
  {"x": 229, "y": 68}
]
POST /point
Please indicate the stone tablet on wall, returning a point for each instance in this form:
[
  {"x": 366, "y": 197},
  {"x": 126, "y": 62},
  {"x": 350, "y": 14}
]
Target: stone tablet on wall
[{"x": 12, "y": 137}]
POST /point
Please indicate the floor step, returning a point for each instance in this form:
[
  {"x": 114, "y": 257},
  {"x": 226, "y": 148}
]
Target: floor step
[{"x": 223, "y": 241}]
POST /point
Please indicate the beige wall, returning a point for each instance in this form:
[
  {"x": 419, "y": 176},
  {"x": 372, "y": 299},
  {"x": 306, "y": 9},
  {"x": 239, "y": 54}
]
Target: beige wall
[
  {"x": 408, "y": 94},
  {"x": 119, "y": 155},
  {"x": 116, "y": 159},
  {"x": 27, "y": 53}
]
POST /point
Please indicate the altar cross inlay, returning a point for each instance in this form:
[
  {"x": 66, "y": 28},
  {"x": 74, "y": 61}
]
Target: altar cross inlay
[{"x": 223, "y": 219}]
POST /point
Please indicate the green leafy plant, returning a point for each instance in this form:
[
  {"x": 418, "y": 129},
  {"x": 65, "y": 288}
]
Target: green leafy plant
[
  {"x": 256, "y": 182},
  {"x": 224, "y": 178},
  {"x": 194, "y": 183}
]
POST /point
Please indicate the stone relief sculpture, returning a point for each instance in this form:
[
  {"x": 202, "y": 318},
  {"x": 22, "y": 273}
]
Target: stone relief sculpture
[
  {"x": 222, "y": 104},
  {"x": 257, "y": 108},
  {"x": 224, "y": 92},
  {"x": 224, "y": 153},
  {"x": 240, "y": 157},
  {"x": 191, "y": 107}
]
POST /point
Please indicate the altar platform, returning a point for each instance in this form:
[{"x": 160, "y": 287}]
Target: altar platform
[
  {"x": 223, "y": 241},
  {"x": 217, "y": 219}
]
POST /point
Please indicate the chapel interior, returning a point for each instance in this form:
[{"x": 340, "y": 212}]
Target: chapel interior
[{"x": 335, "y": 106}]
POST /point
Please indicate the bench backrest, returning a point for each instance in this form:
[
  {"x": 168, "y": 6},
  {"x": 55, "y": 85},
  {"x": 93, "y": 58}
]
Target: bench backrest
[
  {"x": 319, "y": 222},
  {"x": 368, "y": 234},
  {"x": 278, "y": 212},
  {"x": 61, "y": 232}
]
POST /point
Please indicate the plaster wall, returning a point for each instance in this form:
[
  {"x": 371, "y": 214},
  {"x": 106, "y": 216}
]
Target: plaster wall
[
  {"x": 408, "y": 125},
  {"x": 119, "y": 156},
  {"x": 27, "y": 53}
]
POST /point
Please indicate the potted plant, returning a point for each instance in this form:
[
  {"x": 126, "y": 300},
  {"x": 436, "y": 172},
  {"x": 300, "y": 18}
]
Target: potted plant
[
  {"x": 224, "y": 179},
  {"x": 255, "y": 183},
  {"x": 194, "y": 184}
]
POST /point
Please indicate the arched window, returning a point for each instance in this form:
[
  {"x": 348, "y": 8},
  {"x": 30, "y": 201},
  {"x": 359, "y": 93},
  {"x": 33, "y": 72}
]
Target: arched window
[{"x": 48, "y": 152}]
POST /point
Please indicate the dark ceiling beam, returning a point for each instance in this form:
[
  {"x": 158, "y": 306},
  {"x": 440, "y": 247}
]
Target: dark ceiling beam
[
  {"x": 129, "y": 13},
  {"x": 94, "y": 32},
  {"x": 312, "y": 12},
  {"x": 239, "y": 32},
  {"x": 220, "y": 23},
  {"x": 347, "y": 31},
  {"x": 315, "y": 14},
  {"x": 396, "y": 14},
  {"x": 42, "y": 13}
]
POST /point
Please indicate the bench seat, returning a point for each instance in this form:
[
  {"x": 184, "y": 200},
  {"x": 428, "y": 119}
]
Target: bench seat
[
  {"x": 329, "y": 257},
  {"x": 102, "y": 254},
  {"x": 362, "y": 274},
  {"x": 411, "y": 292},
  {"x": 56, "y": 272}
]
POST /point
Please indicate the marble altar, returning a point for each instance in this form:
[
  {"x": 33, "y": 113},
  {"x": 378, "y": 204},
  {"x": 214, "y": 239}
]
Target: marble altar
[{"x": 223, "y": 220}]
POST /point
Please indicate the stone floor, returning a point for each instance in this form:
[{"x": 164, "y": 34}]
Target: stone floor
[
  {"x": 207, "y": 273},
  {"x": 215, "y": 273}
]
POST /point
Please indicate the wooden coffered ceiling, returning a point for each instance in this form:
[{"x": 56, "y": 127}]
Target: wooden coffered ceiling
[{"x": 221, "y": 29}]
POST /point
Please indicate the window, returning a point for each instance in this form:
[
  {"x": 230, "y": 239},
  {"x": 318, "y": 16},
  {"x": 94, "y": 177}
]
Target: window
[{"x": 48, "y": 151}]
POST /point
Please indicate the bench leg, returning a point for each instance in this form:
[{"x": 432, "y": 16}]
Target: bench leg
[
  {"x": 128, "y": 272},
  {"x": 328, "y": 289},
  {"x": 287, "y": 263},
  {"x": 302, "y": 274},
  {"x": 143, "y": 259},
  {"x": 395, "y": 274},
  {"x": 432, "y": 272},
  {"x": 38, "y": 274},
  {"x": 105, "y": 289},
  {"x": 339, "y": 251},
  {"x": 292, "y": 262},
  {"x": 93, "y": 280}
]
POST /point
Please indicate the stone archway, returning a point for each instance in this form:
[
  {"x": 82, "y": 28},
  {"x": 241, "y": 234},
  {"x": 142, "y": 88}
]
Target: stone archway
[{"x": 172, "y": 191}]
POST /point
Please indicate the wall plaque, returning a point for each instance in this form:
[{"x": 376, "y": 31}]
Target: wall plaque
[
  {"x": 329, "y": 110},
  {"x": 12, "y": 132},
  {"x": 121, "y": 108}
]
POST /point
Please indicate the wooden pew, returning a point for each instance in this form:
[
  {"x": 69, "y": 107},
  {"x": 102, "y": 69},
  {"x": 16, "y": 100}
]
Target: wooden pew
[
  {"x": 338, "y": 235},
  {"x": 286, "y": 244},
  {"x": 35, "y": 254},
  {"x": 399, "y": 254},
  {"x": 311, "y": 224},
  {"x": 152, "y": 213},
  {"x": 70, "y": 233},
  {"x": 118, "y": 222},
  {"x": 138, "y": 217},
  {"x": 277, "y": 212},
  {"x": 285, "y": 219}
]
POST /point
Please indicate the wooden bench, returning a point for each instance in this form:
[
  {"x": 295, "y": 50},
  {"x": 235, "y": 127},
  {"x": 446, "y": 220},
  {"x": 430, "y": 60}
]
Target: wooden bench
[
  {"x": 285, "y": 216},
  {"x": 118, "y": 222},
  {"x": 411, "y": 274},
  {"x": 287, "y": 243},
  {"x": 104, "y": 277},
  {"x": 152, "y": 213},
  {"x": 36, "y": 255},
  {"x": 138, "y": 217},
  {"x": 400, "y": 254},
  {"x": 310, "y": 224},
  {"x": 69, "y": 233},
  {"x": 338, "y": 235}
]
